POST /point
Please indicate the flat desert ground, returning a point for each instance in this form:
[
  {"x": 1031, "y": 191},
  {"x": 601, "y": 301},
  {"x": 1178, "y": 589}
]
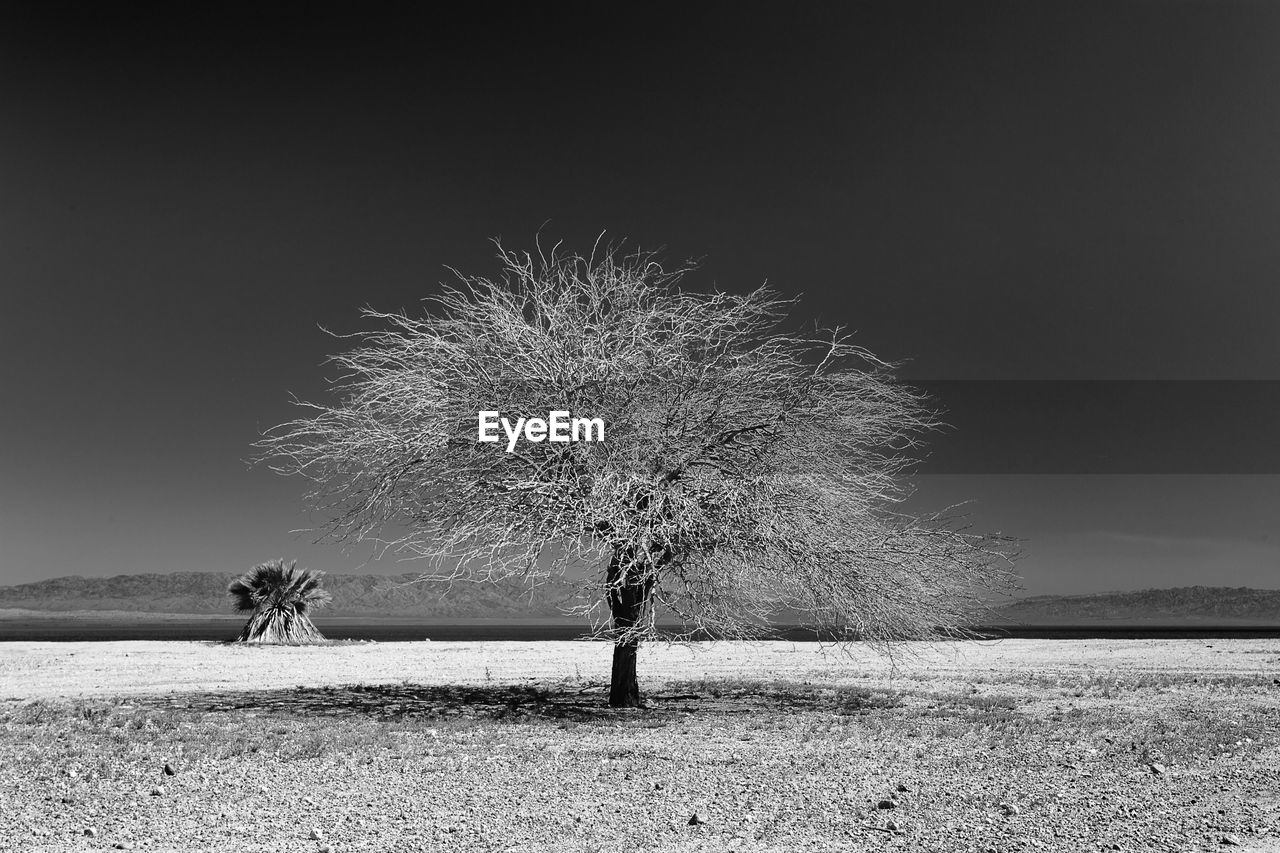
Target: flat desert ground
[{"x": 1052, "y": 745}]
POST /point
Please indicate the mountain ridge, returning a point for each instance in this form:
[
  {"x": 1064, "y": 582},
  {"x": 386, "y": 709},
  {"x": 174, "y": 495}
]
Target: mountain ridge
[
  {"x": 205, "y": 593},
  {"x": 404, "y": 595},
  {"x": 1188, "y": 604}
]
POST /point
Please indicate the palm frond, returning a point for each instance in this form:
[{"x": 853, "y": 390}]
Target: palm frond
[{"x": 279, "y": 598}]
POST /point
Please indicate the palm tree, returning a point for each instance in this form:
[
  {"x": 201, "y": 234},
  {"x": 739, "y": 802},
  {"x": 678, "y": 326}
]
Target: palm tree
[{"x": 279, "y": 598}]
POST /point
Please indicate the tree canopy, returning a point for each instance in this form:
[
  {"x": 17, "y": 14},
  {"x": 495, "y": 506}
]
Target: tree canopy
[{"x": 748, "y": 470}]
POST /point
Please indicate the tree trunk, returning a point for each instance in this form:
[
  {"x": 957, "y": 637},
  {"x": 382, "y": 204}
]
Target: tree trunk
[
  {"x": 624, "y": 688},
  {"x": 627, "y": 600}
]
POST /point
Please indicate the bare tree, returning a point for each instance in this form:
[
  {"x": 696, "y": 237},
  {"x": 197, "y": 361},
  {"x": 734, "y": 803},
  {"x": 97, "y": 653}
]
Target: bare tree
[{"x": 747, "y": 471}]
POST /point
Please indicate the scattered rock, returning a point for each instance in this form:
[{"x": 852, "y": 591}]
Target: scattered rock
[
  {"x": 316, "y": 834},
  {"x": 91, "y": 832},
  {"x": 123, "y": 845},
  {"x": 157, "y": 791},
  {"x": 658, "y": 786},
  {"x": 1230, "y": 841},
  {"x": 697, "y": 819},
  {"x": 68, "y": 800},
  {"x": 325, "y": 849},
  {"x": 168, "y": 770},
  {"x": 1010, "y": 809},
  {"x": 902, "y": 789},
  {"x": 886, "y": 804},
  {"x": 892, "y": 825},
  {"x": 1157, "y": 768}
]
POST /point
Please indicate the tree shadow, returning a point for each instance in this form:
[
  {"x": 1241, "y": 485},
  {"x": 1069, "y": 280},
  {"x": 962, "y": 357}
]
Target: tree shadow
[
  {"x": 394, "y": 702},
  {"x": 579, "y": 703}
]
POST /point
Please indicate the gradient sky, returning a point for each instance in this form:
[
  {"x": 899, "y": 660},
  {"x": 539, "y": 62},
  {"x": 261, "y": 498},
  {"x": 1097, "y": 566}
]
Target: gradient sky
[{"x": 1059, "y": 194}]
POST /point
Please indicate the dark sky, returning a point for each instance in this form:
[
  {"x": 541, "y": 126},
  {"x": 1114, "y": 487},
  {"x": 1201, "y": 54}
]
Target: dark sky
[{"x": 1036, "y": 192}]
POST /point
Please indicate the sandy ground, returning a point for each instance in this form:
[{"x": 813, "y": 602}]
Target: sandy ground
[
  {"x": 1057, "y": 746},
  {"x": 46, "y": 670}
]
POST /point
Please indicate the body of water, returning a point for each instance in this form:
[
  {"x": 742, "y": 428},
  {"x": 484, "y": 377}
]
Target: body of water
[{"x": 53, "y": 629}]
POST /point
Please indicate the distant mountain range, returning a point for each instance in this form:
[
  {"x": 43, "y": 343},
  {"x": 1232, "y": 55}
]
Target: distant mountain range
[
  {"x": 403, "y": 596},
  {"x": 1187, "y": 605},
  {"x": 353, "y": 595}
]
